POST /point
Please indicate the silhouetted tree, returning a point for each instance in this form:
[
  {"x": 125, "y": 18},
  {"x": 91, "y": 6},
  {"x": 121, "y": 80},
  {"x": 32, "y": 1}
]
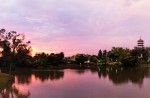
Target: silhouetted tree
[
  {"x": 23, "y": 55},
  {"x": 130, "y": 61},
  {"x": 40, "y": 59},
  {"x": 10, "y": 43},
  {"x": 100, "y": 54},
  {"x": 56, "y": 59},
  {"x": 81, "y": 58}
]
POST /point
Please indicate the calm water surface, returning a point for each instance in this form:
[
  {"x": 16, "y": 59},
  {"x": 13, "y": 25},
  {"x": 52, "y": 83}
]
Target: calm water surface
[{"x": 96, "y": 83}]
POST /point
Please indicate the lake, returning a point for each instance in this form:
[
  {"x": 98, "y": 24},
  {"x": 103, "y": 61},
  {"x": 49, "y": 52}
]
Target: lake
[{"x": 84, "y": 83}]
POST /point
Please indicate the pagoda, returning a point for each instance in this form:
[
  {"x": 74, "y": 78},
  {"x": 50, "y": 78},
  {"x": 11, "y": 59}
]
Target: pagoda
[{"x": 140, "y": 43}]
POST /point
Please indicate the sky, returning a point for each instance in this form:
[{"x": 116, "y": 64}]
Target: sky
[{"x": 77, "y": 26}]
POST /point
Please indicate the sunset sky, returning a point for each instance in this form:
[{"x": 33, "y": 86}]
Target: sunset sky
[{"x": 77, "y": 26}]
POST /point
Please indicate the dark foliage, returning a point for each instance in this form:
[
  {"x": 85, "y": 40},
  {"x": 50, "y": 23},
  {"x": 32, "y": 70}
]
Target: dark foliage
[
  {"x": 130, "y": 61},
  {"x": 81, "y": 58}
]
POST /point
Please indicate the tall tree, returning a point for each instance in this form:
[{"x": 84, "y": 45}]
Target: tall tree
[
  {"x": 105, "y": 57},
  {"x": 100, "y": 54},
  {"x": 10, "y": 42}
]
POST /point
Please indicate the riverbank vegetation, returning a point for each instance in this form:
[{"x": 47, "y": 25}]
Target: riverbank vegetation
[{"x": 16, "y": 52}]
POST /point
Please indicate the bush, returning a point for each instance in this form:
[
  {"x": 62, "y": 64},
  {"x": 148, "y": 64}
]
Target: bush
[{"x": 129, "y": 61}]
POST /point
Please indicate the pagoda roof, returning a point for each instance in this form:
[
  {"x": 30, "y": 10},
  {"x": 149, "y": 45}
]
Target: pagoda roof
[{"x": 140, "y": 40}]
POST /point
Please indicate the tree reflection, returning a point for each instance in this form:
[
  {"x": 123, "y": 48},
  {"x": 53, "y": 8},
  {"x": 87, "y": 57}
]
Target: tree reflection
[
  {"x": 11, "y": 91},
  {"x": 25, "y": 77},
  {"x": 52, "y": 75},
  {"x": 80, "y": 71},
  {"x": 17, "y": 90},
  {"x": 124, "y": 75},
  {"x": 117, "y": 75}
]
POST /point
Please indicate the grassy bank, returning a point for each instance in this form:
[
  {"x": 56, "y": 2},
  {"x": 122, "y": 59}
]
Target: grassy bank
[{"x": 3, "y": 80}]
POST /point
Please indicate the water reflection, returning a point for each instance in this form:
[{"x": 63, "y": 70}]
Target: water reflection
[
  {"x": 80, "y": 71},
  {"x": 117, "y": 75},
  {"x": 25, "y": 77},
  {"x": 18, "y": 89},
  {"x": 124, "y": 75},
  {"x": 11, "y": 91},
  {"x": 83, "y": 83},
  {"x": 52, "y": 75}
]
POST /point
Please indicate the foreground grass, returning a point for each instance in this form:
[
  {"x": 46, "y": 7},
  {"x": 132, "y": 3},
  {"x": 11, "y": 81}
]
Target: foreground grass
[{"x": 3, "y": 80}]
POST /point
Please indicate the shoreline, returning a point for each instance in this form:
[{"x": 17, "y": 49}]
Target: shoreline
[{"x": 76, "y": 66}]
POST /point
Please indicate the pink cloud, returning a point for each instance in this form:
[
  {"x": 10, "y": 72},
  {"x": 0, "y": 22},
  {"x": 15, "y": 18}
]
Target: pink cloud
[{"x": 75, "y": 26}]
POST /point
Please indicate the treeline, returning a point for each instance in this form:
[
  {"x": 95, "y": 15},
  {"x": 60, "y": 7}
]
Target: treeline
[
  {"x": 16, "y": 52},
  {"x": 46, "y": 60},
  {"x": 116, "y": 56}
]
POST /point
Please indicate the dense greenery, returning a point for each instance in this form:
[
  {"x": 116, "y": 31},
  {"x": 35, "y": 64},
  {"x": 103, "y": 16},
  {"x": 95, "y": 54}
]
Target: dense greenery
[
  {"x": 16, "y": 52},
  {"x": 43, "y": 60},
  {"x": 116, "y": 56}
]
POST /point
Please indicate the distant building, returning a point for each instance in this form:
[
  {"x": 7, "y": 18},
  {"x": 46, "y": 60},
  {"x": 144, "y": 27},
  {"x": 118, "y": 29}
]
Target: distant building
[
  {"x": 140, "y": 43},
  {"x": 140, "y": 47}
]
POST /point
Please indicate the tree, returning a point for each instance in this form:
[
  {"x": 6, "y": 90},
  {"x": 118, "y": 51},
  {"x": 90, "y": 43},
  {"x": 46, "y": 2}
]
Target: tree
[
  {"x": 146, "y": 54},
  {"x": 10, "y": 42},
  {"x": 130, "y": 61},
  {"x": 81, "y": 58},
  {"x": 104, "y": 52},
  {"x": 137, "y": 52},
  {"x": 141, "y": 53},
  {"x": 114, "y": 53},
  {"x": 60, "y": 57},
  {"x": 104, "y": 57},
  {"x": 94, "y": 59},
  {"x": 118, "y": 53},
  {"x": 100, "y": 54},
  {"x": 41, "y": 59},
  {"x": 23, "y": 56},
  {"x": 56, "y": 59}
]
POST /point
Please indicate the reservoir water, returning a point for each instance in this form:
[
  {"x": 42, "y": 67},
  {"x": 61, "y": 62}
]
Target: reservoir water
[{"x": 80, "y": 83}]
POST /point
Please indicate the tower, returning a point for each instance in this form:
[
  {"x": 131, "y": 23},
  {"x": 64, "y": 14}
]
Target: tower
[{"x": 140, "y": 43}]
